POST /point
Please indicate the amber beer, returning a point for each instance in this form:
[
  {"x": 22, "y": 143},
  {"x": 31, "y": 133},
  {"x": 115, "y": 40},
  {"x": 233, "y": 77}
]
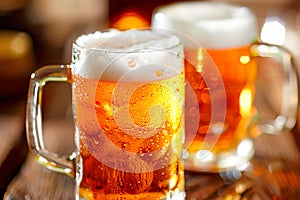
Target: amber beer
[
  {"x": 130, "y": 127},
  {"x": 220, "y": 75},
  {"x": 238, "y": 73}
]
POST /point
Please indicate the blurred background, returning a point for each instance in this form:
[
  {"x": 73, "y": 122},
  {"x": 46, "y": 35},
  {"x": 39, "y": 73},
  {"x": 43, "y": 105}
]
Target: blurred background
[{"x": 34, "y": 33}]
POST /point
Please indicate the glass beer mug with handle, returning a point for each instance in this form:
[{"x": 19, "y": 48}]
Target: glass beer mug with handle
[
  {"x": 128, "y": 100},
  {"x": 226, "y": 34}
]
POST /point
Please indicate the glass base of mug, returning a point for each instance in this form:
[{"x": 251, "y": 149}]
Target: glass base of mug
[
  {"x": 209, "y": 161},
  {"x": 176, "y": 195}
]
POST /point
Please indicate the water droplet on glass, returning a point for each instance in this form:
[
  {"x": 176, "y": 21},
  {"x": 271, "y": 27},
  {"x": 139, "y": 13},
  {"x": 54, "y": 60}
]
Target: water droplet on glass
[
  {"x": 218, "y": 128},
  {"x": 95, "y": 141},
  {"x": 205, "y": 98},
  {"x": 131, "y": 63},
  {"x": 195, "y": 85},
  {"x": 159, "y": 72},
  {"x": 193, "y": 112},
  {"x": 97, "y": 104},
  {"x": 106, "y": 127}
]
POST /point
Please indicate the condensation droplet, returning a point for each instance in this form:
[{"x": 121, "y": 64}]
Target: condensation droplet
[
  {"x": 97, "y": 104},
  {"x": 193, "y": 112},
  {"x": 159, "y": 72},
  {"x": 131, "y": 63},
  {"x": 195, "y": 85},
  {"x": 205, "y": 98},
  {"x": 95, "y": 141},
  {"x": 106, "y": 127},
  {"x": 218, "y": 128}
]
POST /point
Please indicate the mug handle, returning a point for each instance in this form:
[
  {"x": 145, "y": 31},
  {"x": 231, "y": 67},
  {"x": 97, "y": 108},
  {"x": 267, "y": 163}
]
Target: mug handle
[
  {"x": 38, "y": 79},
  {"x": 289, "y": 107}
]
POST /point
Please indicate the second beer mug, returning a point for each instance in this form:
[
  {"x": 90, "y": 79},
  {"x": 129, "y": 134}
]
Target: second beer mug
[
  {"x": 220, "y": 40},
  {"x": 128, "y": 98}
]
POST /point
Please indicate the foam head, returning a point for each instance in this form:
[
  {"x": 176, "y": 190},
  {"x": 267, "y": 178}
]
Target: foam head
[
  {"x": 214, "y": 25},
  {"x": 134, "y": 55}
]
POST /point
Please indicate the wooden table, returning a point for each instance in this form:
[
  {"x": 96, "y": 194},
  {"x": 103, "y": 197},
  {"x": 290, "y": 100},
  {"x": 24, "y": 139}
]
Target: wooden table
[{"x": 274, "y": 174}]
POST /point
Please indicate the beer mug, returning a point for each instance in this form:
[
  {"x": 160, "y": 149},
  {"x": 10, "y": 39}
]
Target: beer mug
[
  {"x": 127, "y": 100},
  {"x": 221, "y": 67}
]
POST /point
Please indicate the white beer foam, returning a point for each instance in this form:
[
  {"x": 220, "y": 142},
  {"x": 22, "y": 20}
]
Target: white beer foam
[
  {"x": 133, "y": 55},
  {"x": 214, "y": 25}
]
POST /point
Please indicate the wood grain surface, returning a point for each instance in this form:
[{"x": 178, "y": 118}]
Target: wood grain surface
[{"x": 274, "y": 172}]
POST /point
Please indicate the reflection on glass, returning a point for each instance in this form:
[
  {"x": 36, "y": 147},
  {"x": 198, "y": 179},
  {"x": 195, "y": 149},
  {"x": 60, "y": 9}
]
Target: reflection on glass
[{"x": 273, "y": 31}]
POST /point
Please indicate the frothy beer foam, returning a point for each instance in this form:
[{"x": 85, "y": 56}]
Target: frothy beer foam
[
  {"x": 213, "y": 25},
  {"x": 134, "y": 55}
]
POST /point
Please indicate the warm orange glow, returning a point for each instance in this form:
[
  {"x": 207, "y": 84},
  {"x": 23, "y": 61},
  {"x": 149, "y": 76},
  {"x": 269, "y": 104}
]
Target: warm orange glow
[
  {"x": 246, "y": 102},
  {"x": 129, "y": 20}
]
